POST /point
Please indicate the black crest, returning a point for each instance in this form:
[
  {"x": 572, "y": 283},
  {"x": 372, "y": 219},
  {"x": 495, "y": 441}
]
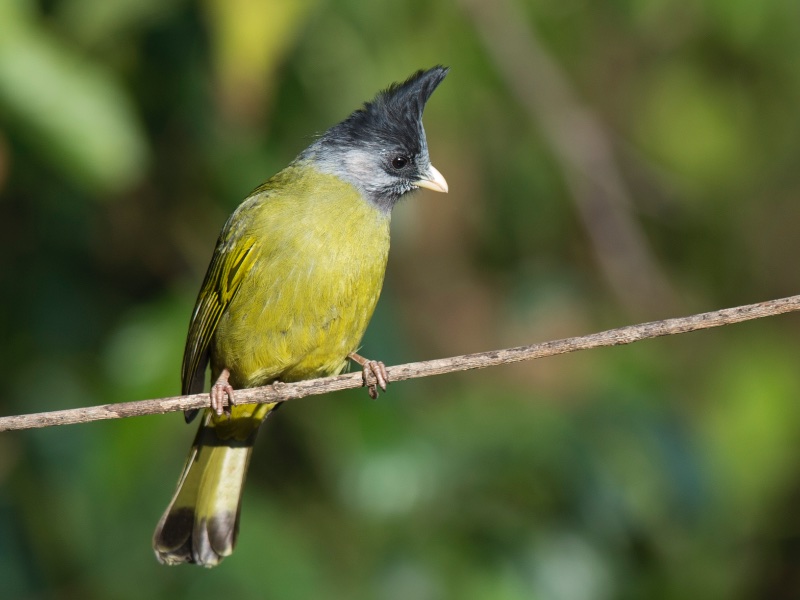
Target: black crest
[{"x": 394, "y": 116}]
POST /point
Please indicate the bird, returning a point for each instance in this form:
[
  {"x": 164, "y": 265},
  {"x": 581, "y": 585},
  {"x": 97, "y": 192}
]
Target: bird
[{"x": 292, "y": 284}]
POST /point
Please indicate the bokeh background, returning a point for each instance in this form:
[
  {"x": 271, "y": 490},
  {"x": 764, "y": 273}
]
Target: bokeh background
[{"x": 609, "y": 163}]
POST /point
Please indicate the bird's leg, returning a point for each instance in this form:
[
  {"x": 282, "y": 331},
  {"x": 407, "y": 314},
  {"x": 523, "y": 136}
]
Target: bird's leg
[
  {"x": 373, "y": 372},
  {"x": 219, "y": 390}
]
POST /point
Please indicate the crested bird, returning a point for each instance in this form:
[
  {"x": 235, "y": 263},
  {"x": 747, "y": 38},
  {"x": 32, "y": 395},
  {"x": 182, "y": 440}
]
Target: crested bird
[{"x": 292, "y": 284}]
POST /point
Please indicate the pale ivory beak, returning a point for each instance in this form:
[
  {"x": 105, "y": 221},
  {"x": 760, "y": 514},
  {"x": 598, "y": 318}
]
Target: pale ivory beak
[{"x": 434, "y": 181}]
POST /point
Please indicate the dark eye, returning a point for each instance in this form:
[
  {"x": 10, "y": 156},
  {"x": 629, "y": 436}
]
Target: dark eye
[{"x": 398, "y": 162}]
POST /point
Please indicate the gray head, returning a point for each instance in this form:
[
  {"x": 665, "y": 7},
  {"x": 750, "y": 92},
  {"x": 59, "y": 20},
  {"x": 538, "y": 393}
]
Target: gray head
[{"x": 381, "y": 148}]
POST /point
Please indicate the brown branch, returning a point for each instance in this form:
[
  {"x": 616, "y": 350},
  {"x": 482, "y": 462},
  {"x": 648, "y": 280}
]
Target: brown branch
[{"x": 288, "y": 391}]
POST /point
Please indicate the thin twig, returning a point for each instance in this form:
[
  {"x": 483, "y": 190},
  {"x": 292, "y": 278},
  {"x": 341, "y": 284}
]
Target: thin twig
[{"x": 287, "y": 391}]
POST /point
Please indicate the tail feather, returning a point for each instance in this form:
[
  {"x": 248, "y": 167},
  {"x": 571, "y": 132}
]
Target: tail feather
[{"x": 201, "y": 522}]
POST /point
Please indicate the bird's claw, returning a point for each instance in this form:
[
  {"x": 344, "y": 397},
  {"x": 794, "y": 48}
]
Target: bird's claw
[
  {"x": 373, "y": 373},
  {"x": 222, "y": 395},
  {"x": 375, "y": 376}
]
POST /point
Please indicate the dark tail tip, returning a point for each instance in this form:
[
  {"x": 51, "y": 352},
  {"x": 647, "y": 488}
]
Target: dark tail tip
[{"x": 181, "y": 538}]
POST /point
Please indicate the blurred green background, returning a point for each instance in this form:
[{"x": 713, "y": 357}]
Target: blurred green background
[{"x": 609, "y": 163}]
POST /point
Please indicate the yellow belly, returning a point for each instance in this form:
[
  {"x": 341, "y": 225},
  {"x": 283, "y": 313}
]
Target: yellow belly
[{"x": 317, "y": 277}]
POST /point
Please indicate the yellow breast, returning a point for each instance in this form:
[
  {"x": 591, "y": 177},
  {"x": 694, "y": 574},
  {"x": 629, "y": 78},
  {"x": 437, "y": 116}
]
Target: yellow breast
[{"x": 320, "y": 257}]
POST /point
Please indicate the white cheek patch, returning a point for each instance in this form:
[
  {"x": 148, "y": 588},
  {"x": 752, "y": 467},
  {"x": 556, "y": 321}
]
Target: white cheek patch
[{"x": 361, "y": 168}]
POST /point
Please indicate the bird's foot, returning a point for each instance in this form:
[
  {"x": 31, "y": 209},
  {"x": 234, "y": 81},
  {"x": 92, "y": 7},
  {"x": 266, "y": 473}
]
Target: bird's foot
[
  {"x": 219, "y": 391},
  {"x": 373, "y": 372}
]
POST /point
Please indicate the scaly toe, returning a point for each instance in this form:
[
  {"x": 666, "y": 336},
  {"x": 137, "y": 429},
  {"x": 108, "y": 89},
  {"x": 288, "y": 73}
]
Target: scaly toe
[
  {"x": 219, "y": 391},
  {"x": 383, "y": 375},
  {"x": 374, "y": 376}
]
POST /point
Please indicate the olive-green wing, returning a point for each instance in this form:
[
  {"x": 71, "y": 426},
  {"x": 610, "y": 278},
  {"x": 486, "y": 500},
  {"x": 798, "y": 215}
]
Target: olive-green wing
[{"x": 232, "y": 261}]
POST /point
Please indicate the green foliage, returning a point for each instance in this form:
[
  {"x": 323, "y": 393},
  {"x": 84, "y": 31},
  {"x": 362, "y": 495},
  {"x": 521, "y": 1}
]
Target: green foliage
[
  {"x": 71, "y": 110},
  {"x": 129, "y": 130}
]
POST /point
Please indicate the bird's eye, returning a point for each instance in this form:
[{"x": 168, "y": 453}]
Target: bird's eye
[{"x": 398, "y": 162}]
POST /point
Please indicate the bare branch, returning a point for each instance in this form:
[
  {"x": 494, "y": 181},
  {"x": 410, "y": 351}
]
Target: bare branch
[{"x": 282, "y": 392}]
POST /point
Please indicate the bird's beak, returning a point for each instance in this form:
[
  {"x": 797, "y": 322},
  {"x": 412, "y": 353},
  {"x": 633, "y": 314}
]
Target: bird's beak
[{"x": 433, "y": 181}]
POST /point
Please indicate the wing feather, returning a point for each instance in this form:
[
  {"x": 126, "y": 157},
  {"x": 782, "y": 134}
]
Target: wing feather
[{"x": 233, "y": 259}]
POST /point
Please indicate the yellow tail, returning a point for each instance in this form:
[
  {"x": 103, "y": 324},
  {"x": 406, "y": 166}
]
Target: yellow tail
[{"x": 201, "y": 522}]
